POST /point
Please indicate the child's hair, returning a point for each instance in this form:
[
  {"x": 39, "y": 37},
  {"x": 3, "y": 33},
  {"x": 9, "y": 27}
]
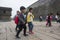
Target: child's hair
[
  {"x": 30, "y": 9},
  {"x": 22, "y": 8},
  {"x": 17, "y": 11}
]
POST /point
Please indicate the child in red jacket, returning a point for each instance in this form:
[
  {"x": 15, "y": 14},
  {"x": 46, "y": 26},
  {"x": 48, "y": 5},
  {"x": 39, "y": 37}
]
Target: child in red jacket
[{"x": 17, "y": 20}]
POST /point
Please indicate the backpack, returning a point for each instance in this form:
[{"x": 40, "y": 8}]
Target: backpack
[{"x": 16, "y": 19}]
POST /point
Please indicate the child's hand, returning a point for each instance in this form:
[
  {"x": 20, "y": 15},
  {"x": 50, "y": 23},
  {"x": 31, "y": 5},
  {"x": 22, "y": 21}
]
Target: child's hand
[
  {"x": 30, "y": 15},
  {"x": 17, "y": 28}
]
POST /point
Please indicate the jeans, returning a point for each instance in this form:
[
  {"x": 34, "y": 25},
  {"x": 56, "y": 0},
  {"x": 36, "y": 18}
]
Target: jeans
[{"x": 30, "y": 25}]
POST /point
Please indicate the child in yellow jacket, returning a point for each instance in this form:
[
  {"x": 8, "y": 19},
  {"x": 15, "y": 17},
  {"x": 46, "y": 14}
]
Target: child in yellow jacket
[{"x": 30, "y": 18}]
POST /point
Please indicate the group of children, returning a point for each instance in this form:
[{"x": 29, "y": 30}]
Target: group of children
[{"x": 21, "y": 20}]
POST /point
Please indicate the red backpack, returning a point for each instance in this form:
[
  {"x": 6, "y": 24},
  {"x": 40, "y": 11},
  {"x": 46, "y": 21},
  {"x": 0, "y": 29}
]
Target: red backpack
[{"x": 16, "y": 19}]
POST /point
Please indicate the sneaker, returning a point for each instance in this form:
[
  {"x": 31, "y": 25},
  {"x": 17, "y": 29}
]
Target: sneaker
[
  {"x": 25, "y": 34},
  {"x": 17, "y": 37},
  {"x": 29, "y": 32},
  {"x": 32, "y": 32}
]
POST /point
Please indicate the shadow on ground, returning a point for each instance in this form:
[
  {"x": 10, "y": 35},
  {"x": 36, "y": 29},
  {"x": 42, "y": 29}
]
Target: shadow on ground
[{"x": 5, "y": 20}]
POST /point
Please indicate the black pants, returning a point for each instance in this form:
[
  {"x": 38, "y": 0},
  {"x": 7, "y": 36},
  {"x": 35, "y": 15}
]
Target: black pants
[
  {"x": 16, "y": 27},
  {"x": 20, "y": 29},
  {"x": 49, "y": 22}
]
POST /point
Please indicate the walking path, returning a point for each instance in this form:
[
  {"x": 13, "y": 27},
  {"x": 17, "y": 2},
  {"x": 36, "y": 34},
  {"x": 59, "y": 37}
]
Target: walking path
[{"x": 41, "y": 32}]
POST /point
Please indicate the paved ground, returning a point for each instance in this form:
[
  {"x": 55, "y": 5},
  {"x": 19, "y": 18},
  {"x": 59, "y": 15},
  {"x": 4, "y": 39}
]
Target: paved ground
[{"x": 7, "y": 31}]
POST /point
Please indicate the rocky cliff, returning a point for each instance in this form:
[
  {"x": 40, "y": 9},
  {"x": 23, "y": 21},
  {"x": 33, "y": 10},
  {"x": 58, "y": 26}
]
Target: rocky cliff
[{"x": 44, "y": 7}]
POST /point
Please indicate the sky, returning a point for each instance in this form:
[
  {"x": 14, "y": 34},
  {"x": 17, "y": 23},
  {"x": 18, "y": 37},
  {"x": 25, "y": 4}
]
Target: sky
[{"x": 16, "y": 4}]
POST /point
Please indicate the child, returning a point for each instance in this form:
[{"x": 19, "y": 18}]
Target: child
[
  {"x": 48, "y": 19},
  {"x": 30, "y": 17},
  {"x": 16, "y": 20},
  {"x": 22, "y": 22}
]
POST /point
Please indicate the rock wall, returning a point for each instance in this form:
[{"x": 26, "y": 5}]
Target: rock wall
[{"x": 44, "y": 7}]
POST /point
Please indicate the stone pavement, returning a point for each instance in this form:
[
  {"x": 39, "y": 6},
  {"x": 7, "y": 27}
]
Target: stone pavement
[{"x": 41, "y": 32}]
